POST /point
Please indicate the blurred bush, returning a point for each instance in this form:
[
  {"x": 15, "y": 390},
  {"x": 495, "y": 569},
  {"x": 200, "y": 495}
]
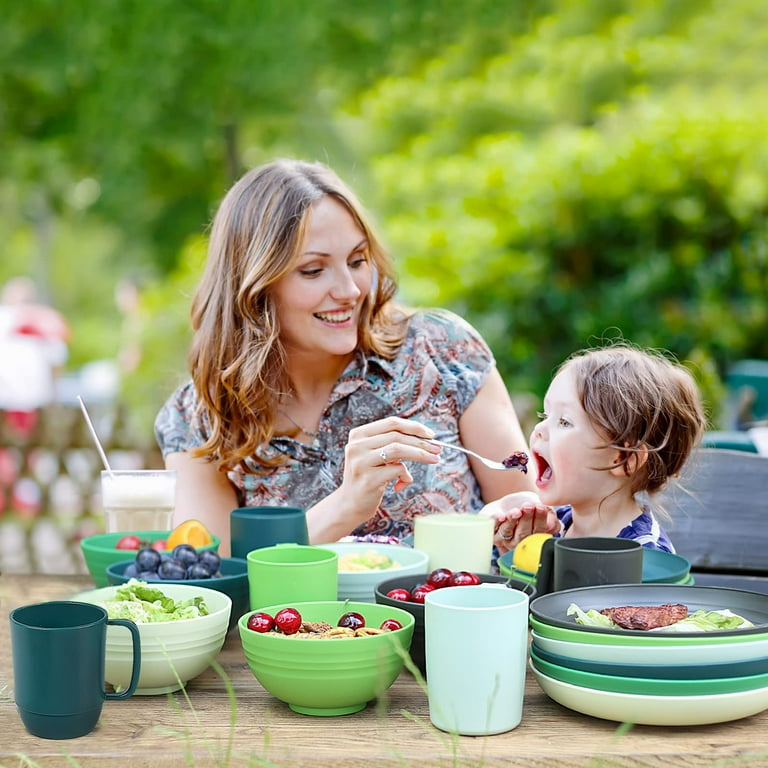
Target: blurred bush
[{"x": 605, "y": 173}]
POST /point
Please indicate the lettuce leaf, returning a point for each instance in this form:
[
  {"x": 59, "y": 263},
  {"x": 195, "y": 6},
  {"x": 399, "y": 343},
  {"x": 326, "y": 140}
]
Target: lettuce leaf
[
  {"x": 699, "y": 621},
  {"x": 143, "y": 604}
]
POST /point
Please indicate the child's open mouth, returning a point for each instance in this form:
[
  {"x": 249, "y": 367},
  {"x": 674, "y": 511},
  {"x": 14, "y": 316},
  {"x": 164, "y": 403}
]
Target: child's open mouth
[{"x": 543, "y": 470}]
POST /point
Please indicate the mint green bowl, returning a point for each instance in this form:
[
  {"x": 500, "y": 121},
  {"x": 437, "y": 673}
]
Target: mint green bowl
[
  {"x": 328, "y": 676},
  {"x": 648, "y": 686}
]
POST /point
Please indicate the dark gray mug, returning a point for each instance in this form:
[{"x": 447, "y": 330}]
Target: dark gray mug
[{"x": 588, "y": 561}]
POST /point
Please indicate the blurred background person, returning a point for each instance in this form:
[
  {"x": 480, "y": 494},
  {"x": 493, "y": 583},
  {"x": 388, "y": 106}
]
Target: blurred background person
[{"x": 33, "y": 348}]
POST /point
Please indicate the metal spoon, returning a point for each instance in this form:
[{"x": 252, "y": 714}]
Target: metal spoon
[{"x": 488, "y": 462}]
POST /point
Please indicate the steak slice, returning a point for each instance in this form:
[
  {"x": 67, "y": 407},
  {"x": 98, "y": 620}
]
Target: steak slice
[{"x": 646, "y": 616}]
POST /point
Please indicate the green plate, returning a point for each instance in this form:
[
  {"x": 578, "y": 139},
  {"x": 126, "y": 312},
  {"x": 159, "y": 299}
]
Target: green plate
[
  {"x": 658, "y": 568},
  {"x": 648, "y": 686},
  {"x": 670, "y": 671}
]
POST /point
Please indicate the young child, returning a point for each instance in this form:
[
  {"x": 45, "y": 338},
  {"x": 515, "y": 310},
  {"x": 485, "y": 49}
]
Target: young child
[{"x": 617, "y": 422}]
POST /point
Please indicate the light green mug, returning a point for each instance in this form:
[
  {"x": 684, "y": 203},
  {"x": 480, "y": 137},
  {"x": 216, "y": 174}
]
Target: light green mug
[
  {"x": 291, "y": 573},
  {"x": 461, "y": 542}
]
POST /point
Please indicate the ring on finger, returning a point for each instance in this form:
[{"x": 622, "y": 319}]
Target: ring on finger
[{"x": 383, "y": 454}]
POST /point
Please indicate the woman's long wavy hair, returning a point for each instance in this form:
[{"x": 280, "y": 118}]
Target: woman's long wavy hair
[{"x": 237, "y": 359}]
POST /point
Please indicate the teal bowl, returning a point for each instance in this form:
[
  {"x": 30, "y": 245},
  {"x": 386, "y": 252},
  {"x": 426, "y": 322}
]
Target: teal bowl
[
  {"x": 648, "y": 686},
  {"x": 328, "y": 677},
  {"x": 671, "y": 671},
  {"x": 99, "y": 551},
  {"x": 658, "y": 568},
  {"x": 233, "y": 582}
]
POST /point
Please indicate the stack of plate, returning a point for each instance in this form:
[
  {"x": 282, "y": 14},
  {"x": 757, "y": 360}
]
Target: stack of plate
[
  {"x": 658, "y": 568},
  {"x": 659, "y": 677}
]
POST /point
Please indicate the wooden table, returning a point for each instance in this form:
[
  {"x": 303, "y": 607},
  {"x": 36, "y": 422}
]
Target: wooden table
[{"x": 245, "y": 726}]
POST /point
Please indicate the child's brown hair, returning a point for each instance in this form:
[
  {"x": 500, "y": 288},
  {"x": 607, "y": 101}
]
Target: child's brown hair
[{"x": 643, "y": 402}]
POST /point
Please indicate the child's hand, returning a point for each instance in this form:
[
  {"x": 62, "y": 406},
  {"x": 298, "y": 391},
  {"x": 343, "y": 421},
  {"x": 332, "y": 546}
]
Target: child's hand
[{"x": 518, "y": 515}]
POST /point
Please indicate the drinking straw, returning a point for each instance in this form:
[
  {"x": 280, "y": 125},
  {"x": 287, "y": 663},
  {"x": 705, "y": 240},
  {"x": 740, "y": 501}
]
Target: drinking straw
[{"x": 94, "y": 435}]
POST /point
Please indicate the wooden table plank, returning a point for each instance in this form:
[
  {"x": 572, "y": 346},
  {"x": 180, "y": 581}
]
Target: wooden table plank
[{"x": 212, "y": 727}]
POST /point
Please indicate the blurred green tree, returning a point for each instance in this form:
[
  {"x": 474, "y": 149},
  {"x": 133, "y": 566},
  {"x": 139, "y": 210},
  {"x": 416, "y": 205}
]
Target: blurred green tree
[{"x": 605, "y": 174}]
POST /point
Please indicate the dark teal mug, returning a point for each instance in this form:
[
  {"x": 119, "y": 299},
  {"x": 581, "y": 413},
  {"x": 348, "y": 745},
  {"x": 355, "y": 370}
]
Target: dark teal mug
[
  {"x": 258, "y": 527},
  {"x": 59, "y": 652}
]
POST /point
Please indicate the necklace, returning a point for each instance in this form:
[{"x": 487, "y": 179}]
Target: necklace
[{"x": 307, "y": 432}]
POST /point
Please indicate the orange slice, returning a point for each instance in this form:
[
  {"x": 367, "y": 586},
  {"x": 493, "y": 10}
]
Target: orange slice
[{"x": 191, "y": 532}]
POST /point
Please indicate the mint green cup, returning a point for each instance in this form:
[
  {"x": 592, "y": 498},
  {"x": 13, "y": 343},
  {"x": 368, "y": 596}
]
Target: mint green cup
[
  {"x": 476, "y": 646},
  {"x": 59, "y": 652},
  {"x": 290, "y": 573}
]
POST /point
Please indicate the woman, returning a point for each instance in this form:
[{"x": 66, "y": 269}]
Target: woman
[{"x": 312, "y": 388}]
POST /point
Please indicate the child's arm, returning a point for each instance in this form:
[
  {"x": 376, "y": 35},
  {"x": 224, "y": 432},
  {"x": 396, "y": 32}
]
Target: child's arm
[{"x": 518, "y": 515}]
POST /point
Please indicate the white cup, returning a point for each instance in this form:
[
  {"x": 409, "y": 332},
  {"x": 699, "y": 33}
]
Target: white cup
[
  {"x": 461, "y": 542},
  {"x": 476, "y": 647},
  {"x": 138, "y": 499}
]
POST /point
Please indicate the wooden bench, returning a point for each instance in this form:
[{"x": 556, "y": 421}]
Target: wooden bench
[{"x": 719, "y": 513}]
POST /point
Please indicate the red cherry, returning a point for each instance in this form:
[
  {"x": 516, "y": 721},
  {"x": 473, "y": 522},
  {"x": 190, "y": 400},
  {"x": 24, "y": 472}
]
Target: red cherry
[
  {"x": 160, "y": 545},
  {"x": 128, "y": 542},
  {"x": 440, "y": 577},
  {"x": 352, "y": 620},
  {"x": 476, "y": 578},
  {"x": 260, "y": 622},
  {"x": 463, "y": 579},
  {"x": 419, "y": 592},
  {"x": 399, "y": 594},
  {"x": 391, "y": 625},
  {"x": 288, "y": 620}
]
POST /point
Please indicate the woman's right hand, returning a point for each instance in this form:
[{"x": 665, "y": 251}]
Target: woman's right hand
[
  {"x": 373, "y": 458},
  {"x": 375, "y": 454}
]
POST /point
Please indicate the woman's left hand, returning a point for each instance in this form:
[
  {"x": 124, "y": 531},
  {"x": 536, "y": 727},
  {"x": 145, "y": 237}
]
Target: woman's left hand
[{"x": 518, "y": 515}]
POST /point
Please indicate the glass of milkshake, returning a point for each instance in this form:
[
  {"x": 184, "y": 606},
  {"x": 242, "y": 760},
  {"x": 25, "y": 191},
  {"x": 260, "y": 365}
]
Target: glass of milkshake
[{"x": 138, "y": 499}]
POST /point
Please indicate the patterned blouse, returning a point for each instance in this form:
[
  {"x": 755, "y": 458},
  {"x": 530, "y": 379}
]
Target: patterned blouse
[
  {"x": 437, "y": 373},
  {"x": 644, "y": 528}
]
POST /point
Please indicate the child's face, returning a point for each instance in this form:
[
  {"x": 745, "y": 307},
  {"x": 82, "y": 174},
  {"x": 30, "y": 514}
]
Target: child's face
[{"x": 567, "y": 450}]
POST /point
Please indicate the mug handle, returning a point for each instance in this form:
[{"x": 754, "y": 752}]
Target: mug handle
[
  {"x": 134, "y": 630},
  {"x": 545, "y": 576}
]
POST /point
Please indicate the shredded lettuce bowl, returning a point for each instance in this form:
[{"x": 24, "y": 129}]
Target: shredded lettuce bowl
[{"x": 182, "y": 629}]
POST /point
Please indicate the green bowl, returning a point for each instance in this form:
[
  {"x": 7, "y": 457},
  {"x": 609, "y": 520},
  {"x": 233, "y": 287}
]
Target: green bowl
[
  {"x": 99, "y": 551},
  {"x": 328, "y": 677},
  {"x": 647, "y": 686},
  {"x": 666, "y": 671},
  {"x": 233, "y": 582}
]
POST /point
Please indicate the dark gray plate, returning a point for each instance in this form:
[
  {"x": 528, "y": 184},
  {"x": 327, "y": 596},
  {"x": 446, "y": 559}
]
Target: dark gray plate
[{"x": 551, "y": 609}]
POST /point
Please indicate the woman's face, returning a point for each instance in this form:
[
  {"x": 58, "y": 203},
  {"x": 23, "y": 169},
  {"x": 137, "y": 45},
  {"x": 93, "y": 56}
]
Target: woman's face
[
  {"x": 568, "y": 451},
  {"x": 320, "y": 299}
]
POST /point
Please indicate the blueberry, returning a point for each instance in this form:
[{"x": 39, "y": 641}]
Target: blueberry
[
  {"x": 147, "y": 559},
  {"x": 147, "y": 575},
  {"x": 185, "y": 553},
  {"x": 211, "y": 559},
  {"x": 198, "y": 571},
  {"x": 131, "y": 571},
  {"x": 172, "y": 569}
]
